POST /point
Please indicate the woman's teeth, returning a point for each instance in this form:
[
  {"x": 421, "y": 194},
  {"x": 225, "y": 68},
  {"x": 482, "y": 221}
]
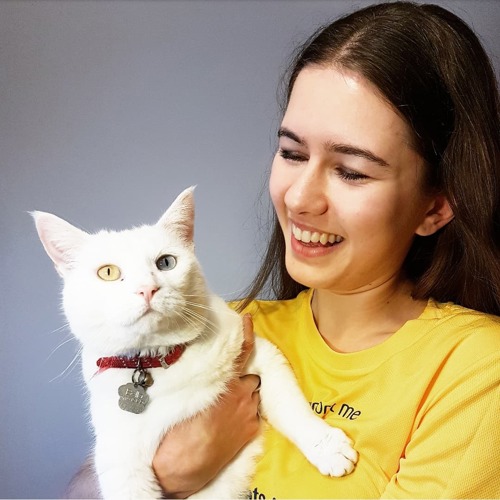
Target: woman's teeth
[{"x": 315, "y": 237}]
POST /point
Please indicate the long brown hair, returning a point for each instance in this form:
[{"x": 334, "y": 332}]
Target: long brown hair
[{"x": 433, "y": 70}]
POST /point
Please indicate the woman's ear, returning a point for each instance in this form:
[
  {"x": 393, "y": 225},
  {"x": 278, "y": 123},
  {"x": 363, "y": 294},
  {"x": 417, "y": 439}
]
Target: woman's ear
[{"x": 436, "y": 217}]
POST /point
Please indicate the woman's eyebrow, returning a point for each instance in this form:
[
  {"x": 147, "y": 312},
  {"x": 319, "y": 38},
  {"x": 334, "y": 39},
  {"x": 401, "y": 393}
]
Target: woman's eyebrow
[
  {"x": 284, "y": 132},
  {"x": 346, "y": 149}
]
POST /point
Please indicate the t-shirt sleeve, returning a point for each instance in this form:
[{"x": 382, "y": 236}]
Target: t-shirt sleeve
[{"x": 454, "y": 449}]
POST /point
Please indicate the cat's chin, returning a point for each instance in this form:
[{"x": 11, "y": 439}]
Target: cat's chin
[
  {"x": 146, "y": 332},
  {"x": 146, "y": 316},
  {"x": 133, "y": 343},
  {"x": 154, "y": 329},
  {"x": 150, "y": 325},
  {"x": 149, "y": 318}
]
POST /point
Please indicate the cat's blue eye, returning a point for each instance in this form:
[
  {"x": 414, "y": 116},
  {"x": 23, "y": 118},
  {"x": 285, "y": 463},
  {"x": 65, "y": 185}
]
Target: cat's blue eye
[{"x": 166, "y": 262}]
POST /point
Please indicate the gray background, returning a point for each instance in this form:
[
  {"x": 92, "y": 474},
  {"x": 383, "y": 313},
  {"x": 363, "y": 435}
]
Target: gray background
[{"x": 107, "y": 111}]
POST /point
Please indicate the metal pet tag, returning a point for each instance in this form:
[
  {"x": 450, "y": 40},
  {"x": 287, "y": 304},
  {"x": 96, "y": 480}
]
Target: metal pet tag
[{"x": 133, "y": 398}]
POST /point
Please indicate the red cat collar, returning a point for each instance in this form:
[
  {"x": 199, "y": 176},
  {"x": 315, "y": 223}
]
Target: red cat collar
[{"x": 141, "y": 362}]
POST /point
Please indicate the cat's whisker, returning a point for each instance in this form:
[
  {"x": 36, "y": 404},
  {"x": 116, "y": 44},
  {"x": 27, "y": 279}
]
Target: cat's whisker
[
  {"x": 73, "y": 363},
  {"x": 190, "y": 318},
  {"x": 231, "y": 295},
  {"x": 61, "y": 328},
  {"x": 189, "y": 321},
  {"x": 182, "y": 319},
  {"x": 202, "y": 317},
  {"x": 177, "y": 323},
  {"x": 180, "y": 313},
  {"x": 187, "y": 304},
  {"x": 200, "y": 306},
  {"x": 67, "y": 341},
  {"x": 207, "y": 308},
  {"x": 207, "y": 324},
  {"x": 199, "y": 316}
]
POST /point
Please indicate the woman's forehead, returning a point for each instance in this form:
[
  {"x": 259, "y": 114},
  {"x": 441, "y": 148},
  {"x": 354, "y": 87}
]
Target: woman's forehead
[{"x": 342, "y": 105}]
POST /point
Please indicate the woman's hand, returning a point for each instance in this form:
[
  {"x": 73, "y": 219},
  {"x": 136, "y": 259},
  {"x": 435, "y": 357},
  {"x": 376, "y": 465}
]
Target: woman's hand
[{"x": 194, "y": 451}]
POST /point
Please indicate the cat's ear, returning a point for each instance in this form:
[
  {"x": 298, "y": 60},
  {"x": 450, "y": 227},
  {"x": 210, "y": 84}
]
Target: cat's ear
[
  {"x": 179, "y": 217},
  {"x": 60, "y": 239}
]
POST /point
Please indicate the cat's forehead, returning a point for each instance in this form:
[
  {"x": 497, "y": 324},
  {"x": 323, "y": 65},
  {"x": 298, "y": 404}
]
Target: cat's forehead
[{"x": 131, "y": 243}]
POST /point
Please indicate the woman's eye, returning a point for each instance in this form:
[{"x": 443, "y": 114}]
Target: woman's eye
[
  {"x": 109, "y": 272},
  {"x": 166, "y": 262},
  {"x": 291, "y": 155},
  {"x": 350, "y": 175}
]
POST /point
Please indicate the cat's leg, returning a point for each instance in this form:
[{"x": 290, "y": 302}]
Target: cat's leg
[
  {"x": 286, "y": 409},
  {"x": 233, "y": 481},
  {"x": 124, "y": 469},
  {"x": 84, "y": 483}
]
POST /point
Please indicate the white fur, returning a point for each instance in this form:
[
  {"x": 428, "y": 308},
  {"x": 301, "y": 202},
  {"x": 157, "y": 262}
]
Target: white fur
[{"x": 112, "y": 318}]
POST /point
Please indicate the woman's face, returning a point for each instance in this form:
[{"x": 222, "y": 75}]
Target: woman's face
[{"x": 346, "y": 184}]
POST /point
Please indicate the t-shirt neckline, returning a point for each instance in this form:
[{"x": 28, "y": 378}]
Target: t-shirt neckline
[{"x": 368, "y": 358}]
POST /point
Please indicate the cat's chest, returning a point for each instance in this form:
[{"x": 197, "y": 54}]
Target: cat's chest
[{"x": 116, "y": 400}]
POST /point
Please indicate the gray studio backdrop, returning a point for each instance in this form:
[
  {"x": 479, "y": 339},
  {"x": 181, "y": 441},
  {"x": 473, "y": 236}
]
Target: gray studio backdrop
[{"x": 107, "y": 111}]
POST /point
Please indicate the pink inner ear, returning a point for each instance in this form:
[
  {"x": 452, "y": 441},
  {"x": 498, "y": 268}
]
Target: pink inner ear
[
  {"x": 186, "y": 224},
  {"x": 184, "y": 230},
  {"x": 179, "y": 217},
  {"x": 59, "y": 238}
]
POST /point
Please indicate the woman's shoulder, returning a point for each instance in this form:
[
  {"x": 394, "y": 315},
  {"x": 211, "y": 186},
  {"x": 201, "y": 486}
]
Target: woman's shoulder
[
  {"x": 465, "y": 335},
  {"x": 468, "y": 322}
]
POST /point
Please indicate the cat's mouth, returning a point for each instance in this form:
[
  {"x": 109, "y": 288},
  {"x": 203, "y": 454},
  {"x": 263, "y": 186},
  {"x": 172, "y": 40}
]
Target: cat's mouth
[{"x": 145, "y": 313}]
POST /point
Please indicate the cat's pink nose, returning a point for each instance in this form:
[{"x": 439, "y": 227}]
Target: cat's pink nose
[{"x": 147, "y": 292}]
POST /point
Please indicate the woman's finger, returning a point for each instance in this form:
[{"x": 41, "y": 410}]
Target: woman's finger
[
  {"x": 248, "y": 343},
  {"x": 251, "y": 382}
]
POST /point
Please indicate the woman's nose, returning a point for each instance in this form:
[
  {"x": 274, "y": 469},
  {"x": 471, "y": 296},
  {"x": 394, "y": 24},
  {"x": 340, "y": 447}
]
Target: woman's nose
[{"x": 307, "y": 193}]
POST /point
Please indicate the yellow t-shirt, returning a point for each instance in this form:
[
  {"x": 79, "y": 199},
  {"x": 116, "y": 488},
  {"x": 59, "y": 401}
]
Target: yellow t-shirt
[{"x": 422, "y": 407}]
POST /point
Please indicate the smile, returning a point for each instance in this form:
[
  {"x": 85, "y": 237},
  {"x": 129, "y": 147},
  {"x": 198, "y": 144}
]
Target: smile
[{"x": 305, "y": 236}]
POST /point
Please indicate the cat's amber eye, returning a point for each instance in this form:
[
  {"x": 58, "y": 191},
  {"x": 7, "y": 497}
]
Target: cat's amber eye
[
  {"x": 109, "y": 272},
  {"x": 166, "y": 262}
]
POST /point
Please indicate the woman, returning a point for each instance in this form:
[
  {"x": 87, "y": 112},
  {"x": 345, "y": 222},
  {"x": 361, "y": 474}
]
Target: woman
[{"x": 385, "y": 265}]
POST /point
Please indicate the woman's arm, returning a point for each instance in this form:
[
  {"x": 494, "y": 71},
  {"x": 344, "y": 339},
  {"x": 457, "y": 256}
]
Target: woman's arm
[{"x": 194, "y": 451}]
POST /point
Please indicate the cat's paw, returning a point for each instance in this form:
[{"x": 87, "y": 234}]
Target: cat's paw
[{"x": 333, "y": 454}]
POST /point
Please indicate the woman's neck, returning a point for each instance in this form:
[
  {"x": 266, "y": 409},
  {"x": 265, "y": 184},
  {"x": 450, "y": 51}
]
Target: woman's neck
[{"x": 357, "y": 321}]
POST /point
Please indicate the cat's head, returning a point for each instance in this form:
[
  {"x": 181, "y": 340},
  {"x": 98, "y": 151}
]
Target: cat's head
[{"x": 132, "y": 290}]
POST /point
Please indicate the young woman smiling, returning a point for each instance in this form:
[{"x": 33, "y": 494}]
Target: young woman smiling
[{"x": 347, "y": 170}]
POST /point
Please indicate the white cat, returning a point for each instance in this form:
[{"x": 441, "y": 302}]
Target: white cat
[{"x": 140, "y": 294}]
